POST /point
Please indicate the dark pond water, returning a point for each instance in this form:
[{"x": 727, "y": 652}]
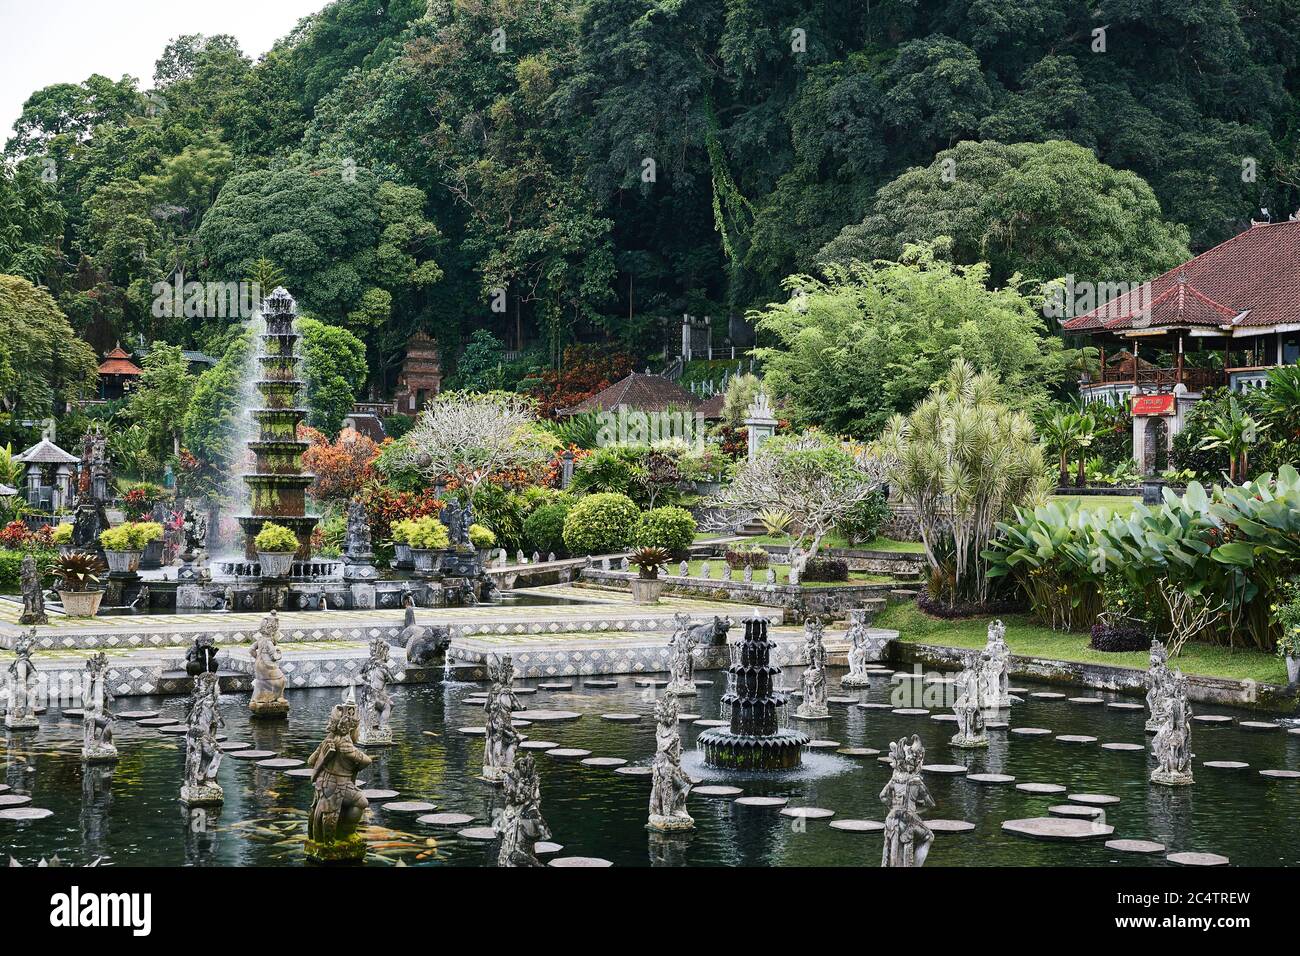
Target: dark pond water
[{"x": 129, "y": 815}]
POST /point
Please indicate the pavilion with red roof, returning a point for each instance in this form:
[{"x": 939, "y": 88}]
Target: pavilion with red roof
[
  {"x": 116, "y": 374},
  {"x": 1222, "y": 319}
]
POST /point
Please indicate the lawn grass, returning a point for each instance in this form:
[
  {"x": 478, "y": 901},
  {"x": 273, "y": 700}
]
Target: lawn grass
[
  {"x": 717, "y": 567},
  {"x": 1031, "y": 639},
  {"x": 836, "y": 541},
  {"x": 1106, "y": 504}
]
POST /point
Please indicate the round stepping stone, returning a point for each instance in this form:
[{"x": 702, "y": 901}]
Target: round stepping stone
[
  {"x": 995, "y": 778},
  {"x": 1135, "y": 846},
  {"x": 761, "y": 801},
  {"x": 1280, "y": 774},
  {"x": 1047, "y": 695},
  {"x": 136, "y": 714},
  {"x": 1094, "y": 799},
  {"x": 944, "y": 718},
  {"x": 445, "y": 819},
  {"x": 300, "y": 772},
  {"x": 76, "y": 712},
  {"x": 409, "y": 806},
  {"x": 808, "y": 813},
  {"x": 568, "y": 753},
  {"x": 232, "y": 745},
  {"x": 1075, "y": 810},
  {"x": 911, "y": 711},
  {"x": 1076, "y": 739},
  {"x": 1031, "y": 731},
  {"x": 477, "y": 833},
  {"x": 379, "y": 794},
  {"x": 175, "y": 730},
  {"x": 822, "y": 744},
  {"x": 1293, "y": 730},
  {"x": 1124, "y": 705},
  {"x": 555, "y": 686},
  {"x": 579, "y": 861},
  {"x": 547, "y": 716},
  {"x": 600, "y": 684},
  {"x": 604, "y": 762},
  {"x": 5, "y": 788},
  {"x": 280, "y": 763},
  {"x": 688, "y": 718},
  {"x": 857, "y": 826},
  {"x": 1058, "y": 828},
  {"x": 1040, "y": 788},
  {"x": 1225, "y": 764},
  {"x": 539, "y": 745},
  {"x": 635, "y": 771},
  {"x": 621, "y": 718},
  {"x": 857, "y": 751},
  {"x": 14, "y": 800},
  {"x": 1124, "y": 747},
  {"x": 1212, "y": 719},
  {"x": 157, "y": 721},
  {"x": 525, "y": 691},
  {"x": 544, "y": 847},
  {"x": 1087, "y": 700},
  {"x": 944, "y": 768},
  {"x": 650, "y": 682},
  {"x": 716, "y": 791},
  {"x": 712, "y": 723},
  {"x": 996, "y": 725},
  {"x": 472, "y": 731},
  {"x": 950, "y": 826},
  {"x": 1197, "y": 859},
  {"x": 1258, "y": 725},
  {"x": 872, "y": 705},
  {"x": 844, "y": 701},
  {"x": 251, "y": 754},
  {"x": 1018, "y": 690},
  {"x": 19, "y": 814}
]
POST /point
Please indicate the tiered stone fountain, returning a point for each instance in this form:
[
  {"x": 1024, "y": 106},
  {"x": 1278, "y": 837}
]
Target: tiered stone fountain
[
  {"x": 278, "y": 486},
  {"x": 755, "y": 740}
]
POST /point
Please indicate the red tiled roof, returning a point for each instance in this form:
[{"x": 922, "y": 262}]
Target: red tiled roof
[
  {"x": 118, "y": 362},
  {"x": 1255, "y": 275},
  {"x": 645, "y": 393},
  {"x": 711, "y": 407}
]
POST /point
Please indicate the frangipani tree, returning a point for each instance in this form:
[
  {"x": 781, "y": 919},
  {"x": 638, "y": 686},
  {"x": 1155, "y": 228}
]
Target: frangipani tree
[
  {"x": 468, "y": 436},
  {"x": 964, "y": 461},
  {"x": 811, "y": 477}
]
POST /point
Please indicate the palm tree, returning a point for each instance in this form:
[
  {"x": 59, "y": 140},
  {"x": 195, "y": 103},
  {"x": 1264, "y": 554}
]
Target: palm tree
[
  {"x": 1061, "y": 432},
  {"x": 1234, "y": 431},
  {"x": 1086, "y": 431}
]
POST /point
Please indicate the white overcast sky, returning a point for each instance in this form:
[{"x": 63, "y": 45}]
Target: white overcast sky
[{"x": 64, "y": 41}]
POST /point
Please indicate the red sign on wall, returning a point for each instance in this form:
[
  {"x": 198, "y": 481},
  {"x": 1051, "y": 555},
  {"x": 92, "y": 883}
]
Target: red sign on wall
[{"x": 1153, "y": 405}]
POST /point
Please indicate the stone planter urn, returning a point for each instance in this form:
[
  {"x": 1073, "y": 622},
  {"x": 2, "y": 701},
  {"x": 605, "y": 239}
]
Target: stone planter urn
[
  {"x": 276, "y": 564},
  {"x": 153, "y": 554},
  {"x": 81, "y": 603},
  {"x": 647, "y": 590},
  {"x": 1292, "y": 668},
  {"x": 402, "y": 554},
  {"x": 123, "y": 562},
  {"x": 425, "y": 560}
]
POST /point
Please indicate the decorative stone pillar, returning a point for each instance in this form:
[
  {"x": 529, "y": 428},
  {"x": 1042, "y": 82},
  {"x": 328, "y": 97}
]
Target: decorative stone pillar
[
  {"x": 566, "y": 469},
  {"x": 760, "y": 421}
]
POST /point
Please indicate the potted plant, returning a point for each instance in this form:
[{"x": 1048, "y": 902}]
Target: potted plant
[
  {"x": 401, "y": 546},
  {"x": 78, "y": 572},
  {"x": 276, "y": 546},
  {"x": 62, "y": 536},
  {"x": 1287, "y": 614},
  {"x": 483, "y": 539},
  {"x": 647, "y": 585},
  {"x": 426, "y": 536},
  {"x": 124, "y": 544}
]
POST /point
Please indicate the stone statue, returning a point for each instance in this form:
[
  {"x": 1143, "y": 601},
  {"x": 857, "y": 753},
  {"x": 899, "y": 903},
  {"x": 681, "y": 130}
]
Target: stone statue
[
  {"x": 97, "y": 713},
  {"x": 907, "y": 838},
  {"x": 969, "y": 706},
  {"x": 423, "y": 644},
  {"x": 501, "y": 740},
  {"x": 454, "y": 518},
  {"x": 21, "y": 713},
  {"x": 813, "y": 705},
  {"x": 1157, "y": 680},
  {"x": 337, "y": 806},
  {"x": 520, "y": 825},
  {"x": 995, "y": 668},
  {"x": 268, "y": 679},
  {"x": 376, "y": 702},
  {"x": 681, "y": 657},
  {"x": 141, "y": 603},
  {"x": 201, "y": 658},
  {"x": 859, "y": 650},
  {"x": 1172, "y": 746},
  {"x": 196, "y": 532},
  {"x": 358, "y": 534},
  {"x": 33, "y": 594},
  {"x": 669, "y": 784},
  {"x": 202, "y": 751}
]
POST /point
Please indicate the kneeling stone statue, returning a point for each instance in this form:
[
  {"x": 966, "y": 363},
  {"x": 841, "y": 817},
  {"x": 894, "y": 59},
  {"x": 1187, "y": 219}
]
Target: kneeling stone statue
[{"x": 337, "y": 806}]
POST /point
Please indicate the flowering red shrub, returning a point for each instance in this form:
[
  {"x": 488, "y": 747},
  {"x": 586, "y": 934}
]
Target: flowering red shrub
[
  {"x": 342, "y": 467},
  {"x": 586, "y": 370}
]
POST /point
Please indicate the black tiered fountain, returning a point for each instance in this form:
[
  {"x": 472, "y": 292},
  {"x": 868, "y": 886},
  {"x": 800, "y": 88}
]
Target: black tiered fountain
[
  {"x": 755, "y": 740},
  {"x": 278, "y": 486}
]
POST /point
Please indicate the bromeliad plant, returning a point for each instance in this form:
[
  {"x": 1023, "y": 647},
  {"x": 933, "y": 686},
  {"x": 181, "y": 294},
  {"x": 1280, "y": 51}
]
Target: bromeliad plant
[
  {"x": 77, "y": 570},
  {"x": 650, "y": 560}
]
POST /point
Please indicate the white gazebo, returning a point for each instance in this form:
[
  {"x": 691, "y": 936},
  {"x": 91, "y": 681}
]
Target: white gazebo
[{"x": 49, "y": 472}]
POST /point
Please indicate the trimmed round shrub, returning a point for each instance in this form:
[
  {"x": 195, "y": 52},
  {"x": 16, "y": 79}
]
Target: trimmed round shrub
[
  {"x": 481, "y": 536},
  {"x": 672, "y": 529},
  {"x": 544, "y": 528},
  {"x": 600, "y": 523},
  {"x": 825, "y": 569}
]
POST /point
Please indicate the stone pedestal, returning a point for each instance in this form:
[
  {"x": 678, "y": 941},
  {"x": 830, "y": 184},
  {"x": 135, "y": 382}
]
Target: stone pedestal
[
  {"x": 14, "y": 722},
  {"x": 269, "y": 709},
  {"x": 1171, "y": 779},
  {"x": 963, "y": 742},
  {"x": 210, "y": 795},
  {"x": 351, "y": 849},
  {"x": 363, "y": 596},
  {"x": 360, "y": 572},
  {"x": 674, "y": 824},
  {"x": 681, "y": 689},
  {"x": 379, "y": 737},
  {"x": 103, "y": 753}
]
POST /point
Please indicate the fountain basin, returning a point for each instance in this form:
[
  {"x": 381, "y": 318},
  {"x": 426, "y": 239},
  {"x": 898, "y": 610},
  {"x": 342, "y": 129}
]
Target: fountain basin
[{"x": 782, "y": 750}]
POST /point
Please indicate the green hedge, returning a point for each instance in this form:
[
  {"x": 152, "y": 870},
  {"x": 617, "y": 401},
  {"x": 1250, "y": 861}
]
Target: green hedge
[
  {"x": 670, "y": 528},
  {"x": 544, "y": 528},
  {"x": 11, "y": 564},
  {"x": 600, "y": 523}
]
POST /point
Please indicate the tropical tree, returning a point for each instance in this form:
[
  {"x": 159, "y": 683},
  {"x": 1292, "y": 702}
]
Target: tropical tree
[
  {"x": 1234, "y": 432},
  {"x": 162, "y": 397},
  {"x": 1060, "y": 432}
]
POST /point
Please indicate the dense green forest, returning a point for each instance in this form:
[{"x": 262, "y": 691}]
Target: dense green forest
[{"x": 610, "y": 163}]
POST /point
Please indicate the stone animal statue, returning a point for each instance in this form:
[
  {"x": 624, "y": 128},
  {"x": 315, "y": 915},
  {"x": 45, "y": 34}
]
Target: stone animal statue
[{"x": 424, "y": 645}]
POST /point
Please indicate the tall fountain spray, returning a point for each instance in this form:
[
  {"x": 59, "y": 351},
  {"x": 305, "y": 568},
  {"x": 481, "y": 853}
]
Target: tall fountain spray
[
  {"x": 278, "y": 486},
  {"x": 756, "y": 739}
]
